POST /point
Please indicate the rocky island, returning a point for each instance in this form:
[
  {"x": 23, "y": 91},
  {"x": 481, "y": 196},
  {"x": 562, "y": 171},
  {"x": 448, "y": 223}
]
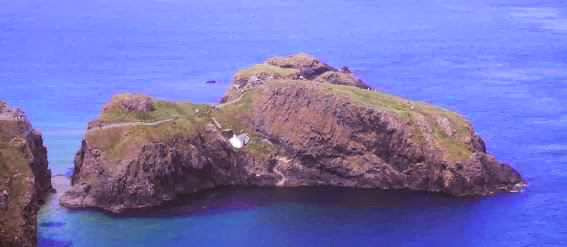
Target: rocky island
[
  {"x": 290, "y": 121},
  {"x": 24, "y": 178}
]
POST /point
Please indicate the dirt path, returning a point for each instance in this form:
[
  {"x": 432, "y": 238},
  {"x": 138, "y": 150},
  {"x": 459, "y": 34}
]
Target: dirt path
[
  {"x": 118, "y": 125},
  {"x": 230, "y": 102}
]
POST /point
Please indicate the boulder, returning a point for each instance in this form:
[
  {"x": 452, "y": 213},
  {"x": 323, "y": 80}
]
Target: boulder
[{"x": 130, "y": 103}]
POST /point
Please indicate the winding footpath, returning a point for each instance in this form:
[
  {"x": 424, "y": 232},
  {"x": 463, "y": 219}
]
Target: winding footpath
[
  {"x": 119, "y": 125},
  {"x": 230, "y": 102}
]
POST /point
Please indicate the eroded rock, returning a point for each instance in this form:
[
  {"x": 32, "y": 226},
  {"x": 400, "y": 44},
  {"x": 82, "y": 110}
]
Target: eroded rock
[
  {"x": 341, "y": 78},
  {"x": 299, "y": 66}
]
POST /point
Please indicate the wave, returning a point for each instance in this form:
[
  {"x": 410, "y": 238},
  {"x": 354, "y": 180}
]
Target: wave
[{"x": 547, "y": 17}]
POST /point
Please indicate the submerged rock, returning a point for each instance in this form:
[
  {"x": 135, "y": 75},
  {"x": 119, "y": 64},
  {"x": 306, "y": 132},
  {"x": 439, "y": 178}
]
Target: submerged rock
[
  {"x": 299, "y": 132},
  {"x": 24, "y": 178}
]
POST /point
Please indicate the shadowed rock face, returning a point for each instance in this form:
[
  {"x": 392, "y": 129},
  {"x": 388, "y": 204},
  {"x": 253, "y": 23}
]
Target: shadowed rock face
[
  {"x": 24, "y": 178},
  {"x": 302, "y": 132}
]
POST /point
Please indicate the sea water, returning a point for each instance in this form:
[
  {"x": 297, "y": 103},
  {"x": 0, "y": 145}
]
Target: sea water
[{"x": 501, "y": 63}]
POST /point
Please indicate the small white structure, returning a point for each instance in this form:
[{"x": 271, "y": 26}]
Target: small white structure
[
  {"x": 236, "y": 142},
  {"x": 239, "y": 141}
]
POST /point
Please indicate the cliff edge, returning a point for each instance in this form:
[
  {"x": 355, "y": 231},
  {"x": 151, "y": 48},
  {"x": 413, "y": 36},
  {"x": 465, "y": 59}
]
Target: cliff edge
[{"x": 24, "y": 178}]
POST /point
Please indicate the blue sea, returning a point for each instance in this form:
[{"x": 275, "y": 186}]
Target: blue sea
[{"x": 501, "y": 63}]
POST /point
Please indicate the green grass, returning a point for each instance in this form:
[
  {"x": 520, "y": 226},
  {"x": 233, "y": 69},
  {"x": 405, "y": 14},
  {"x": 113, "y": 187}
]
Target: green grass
[
  {"x": 266, "y": 69},
  {"x": 163, "y": 110},
  {"x": 13, "y": 162},
  {"x": 236, "y": 116},
  {"x": 122, "y": 142}
]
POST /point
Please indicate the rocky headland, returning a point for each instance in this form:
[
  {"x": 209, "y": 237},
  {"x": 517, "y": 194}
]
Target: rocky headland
[
  {"x": 24, "y": 178},
  {"x": 290, "y": 121}
]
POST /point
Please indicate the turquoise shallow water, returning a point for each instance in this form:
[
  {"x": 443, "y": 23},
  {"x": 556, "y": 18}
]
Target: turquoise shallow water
[{"x": 503, "y": 64}]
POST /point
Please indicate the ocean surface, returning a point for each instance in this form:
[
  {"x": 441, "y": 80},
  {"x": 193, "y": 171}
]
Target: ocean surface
[{"x": 501, "y": 63}]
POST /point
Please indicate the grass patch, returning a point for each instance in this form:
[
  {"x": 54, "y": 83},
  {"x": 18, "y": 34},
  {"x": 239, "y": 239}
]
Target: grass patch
[
  {"x": 265, "y": 70},
  {"x": 13, "y": 162},
  {"x": 236, "y": 116},
  {"x": 162, "y": 110},
  {"x": 123, "y": 142}
]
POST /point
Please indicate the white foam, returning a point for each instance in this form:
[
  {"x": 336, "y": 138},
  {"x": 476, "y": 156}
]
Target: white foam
[{"x": 548, "y": 18}]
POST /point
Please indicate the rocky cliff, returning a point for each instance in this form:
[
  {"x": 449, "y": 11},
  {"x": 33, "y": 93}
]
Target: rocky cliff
[
  {"x": 291, "y": 121},
  {"x": 24, "y": 178}
]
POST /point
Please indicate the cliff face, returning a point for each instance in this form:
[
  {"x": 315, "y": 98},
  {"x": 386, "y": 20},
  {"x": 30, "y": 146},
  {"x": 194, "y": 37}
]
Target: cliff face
[
  {"x": 24, "y": 178},
  {"x": 292, "y": 121}
]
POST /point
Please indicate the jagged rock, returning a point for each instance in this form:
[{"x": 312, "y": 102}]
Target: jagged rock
[
  {"x": 131, "y": 103},
  {"x": 346, "y": 70},
  {"x": 300, "y": 66},
  {"x": 341, "y": 78},
  {"x": 300, "y": 133},
  {"x": 128, "y": 106},
  {"x": 300, "y": 60},
  {"x": 24, "y": 178}
]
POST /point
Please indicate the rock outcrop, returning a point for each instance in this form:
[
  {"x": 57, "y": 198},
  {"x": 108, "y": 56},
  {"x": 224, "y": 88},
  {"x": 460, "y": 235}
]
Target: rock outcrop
[
  {"x": 24, "y": 178},
  {"x": 300, "y": 66},
  {"x": 293, "y": 129}
]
